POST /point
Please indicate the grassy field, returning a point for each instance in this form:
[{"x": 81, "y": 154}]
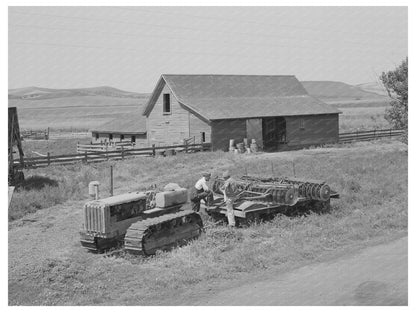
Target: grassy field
[
  {"x": 372, "y": 208},
  {"x": 54, "y": 147},
  {"x": 362, "y": 118}
]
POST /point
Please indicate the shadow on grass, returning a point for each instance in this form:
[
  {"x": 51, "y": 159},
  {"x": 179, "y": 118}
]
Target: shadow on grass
[{"x": 37, "y": 183}]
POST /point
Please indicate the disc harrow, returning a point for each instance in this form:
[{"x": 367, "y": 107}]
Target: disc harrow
[
  {"x": 316, "y": 190},
  {"x": 274, "y": 192}
]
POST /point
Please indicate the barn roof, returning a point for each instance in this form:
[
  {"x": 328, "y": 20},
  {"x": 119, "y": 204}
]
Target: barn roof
[
  {"x": 132, "y": 123},
  {"x": 213, "y": 97}
]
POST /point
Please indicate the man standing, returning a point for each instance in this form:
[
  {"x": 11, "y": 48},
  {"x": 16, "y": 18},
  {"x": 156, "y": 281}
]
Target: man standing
[
  {"x": 200, "y": 191},
  {"x": 229, "y": 189}
]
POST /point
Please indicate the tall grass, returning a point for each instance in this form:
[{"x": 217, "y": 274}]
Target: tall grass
[
  {"x": 362, "y": 118},
  {"x": 345, "y": 173},
  {"x": 371, "y": 180}
]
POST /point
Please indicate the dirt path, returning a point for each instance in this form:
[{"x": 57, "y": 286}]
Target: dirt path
[{"x": 374, "y": 276}]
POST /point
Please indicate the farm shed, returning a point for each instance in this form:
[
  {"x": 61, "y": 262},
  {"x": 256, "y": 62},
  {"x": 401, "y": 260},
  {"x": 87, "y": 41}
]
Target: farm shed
[
  {"x": 276, "y": 111},
  {"x": 128, "y": 127}
]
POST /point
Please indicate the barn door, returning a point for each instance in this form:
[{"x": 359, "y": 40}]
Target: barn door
[
  {"x": 270, "y": 137},
  {"x": 255, "y": 131}
]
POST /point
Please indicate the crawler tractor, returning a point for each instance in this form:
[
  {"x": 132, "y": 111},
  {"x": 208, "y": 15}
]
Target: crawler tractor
[
  {"x": 149, "y": 221},
  {"x": 144, "y": 221}
]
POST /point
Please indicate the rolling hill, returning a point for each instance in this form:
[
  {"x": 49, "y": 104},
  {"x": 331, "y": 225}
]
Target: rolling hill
[
  {"x": 36, "y": 93},
  {"x": 373, "y": 87},
  {"x": 337, "y": 92},
  {"x": 86, "y": 108}
]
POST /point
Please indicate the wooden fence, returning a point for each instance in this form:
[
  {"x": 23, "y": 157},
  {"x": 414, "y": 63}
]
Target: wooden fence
[
  {"x": 349, "y": 137},
  {"x": 34, "y": 134},
  {"x": 97, "y": 152},
  {"x": 104, "y": 147},
  {"x": 28, "y": 134},
  {"x": 98, "y": 156}
]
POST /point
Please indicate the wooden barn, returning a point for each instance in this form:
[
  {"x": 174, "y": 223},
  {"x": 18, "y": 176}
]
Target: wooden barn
[
  {"x": 126, "y": 128},
  {"x": 276, "y": 111}
]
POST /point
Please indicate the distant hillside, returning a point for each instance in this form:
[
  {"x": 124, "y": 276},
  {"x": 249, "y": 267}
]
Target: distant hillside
[
  {"x": 373, "y": 87},
  {"x": 36, "y": 93},
  {"x": 334, "y": 91}
]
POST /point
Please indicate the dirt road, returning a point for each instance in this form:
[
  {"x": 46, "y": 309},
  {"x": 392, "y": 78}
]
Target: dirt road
[{"x": 374, "y": 276}]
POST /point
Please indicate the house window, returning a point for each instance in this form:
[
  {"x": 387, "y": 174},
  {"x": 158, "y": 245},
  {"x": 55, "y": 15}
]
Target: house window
[
  {"x": 121, "y": 137},
  {"x": 97, "y": 136},
  {"x": 302, "y": 124},
  {"x": 133, "y": 139},
  {"x": 202, "y": 137},
  {"x": 166, "y": 103},
  {"x": 110, "y": 136}
]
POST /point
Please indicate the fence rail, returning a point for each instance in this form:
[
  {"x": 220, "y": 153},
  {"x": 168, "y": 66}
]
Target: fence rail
[
  {"x": 34, "y": 134},
  {"x": 97, "y": 147},
  {"x": 98, "y": 156},
  {"x": 349, "y": 137},
  {"x": 96, "y": 152}
]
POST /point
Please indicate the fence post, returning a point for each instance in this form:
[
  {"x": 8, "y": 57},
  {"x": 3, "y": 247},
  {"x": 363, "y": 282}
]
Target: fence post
[
  {"x": 202, "y": 141},
  {"x": 122, "y": 152},
  {"x": 390, "y": 132},
  {"x": 186, "y": 147},
  {"x": 375, "y": 133},
  {"x": 86, "y": 157},
  {"x": 111, "y": 180},
  {"x": 357, "y": 134},
  {"x": 49, "y": 159},
  {"x": 106, "y": 151},
  {"x": 153, "y": 150}
]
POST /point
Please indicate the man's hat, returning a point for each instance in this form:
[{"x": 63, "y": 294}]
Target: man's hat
[
  {"x": 226, "y": 174},
  {"x": 206, "y": 174}
]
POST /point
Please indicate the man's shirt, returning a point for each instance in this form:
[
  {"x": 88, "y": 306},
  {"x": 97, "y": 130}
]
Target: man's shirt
[{"x": 202, "y": 184}]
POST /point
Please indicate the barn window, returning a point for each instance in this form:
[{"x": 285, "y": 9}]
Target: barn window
[
  {"x": 302, "y": 124},
  {"x": 166, "y": 103}
]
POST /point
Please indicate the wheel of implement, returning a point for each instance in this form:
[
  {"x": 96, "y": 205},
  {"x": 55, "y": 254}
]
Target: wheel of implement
[
  {"x": 291, "y": 197},
  {"x": 324, "y": 192}
]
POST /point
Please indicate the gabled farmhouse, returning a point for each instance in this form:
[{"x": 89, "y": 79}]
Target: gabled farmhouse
[
  {"x": 129, "y": 127},
  {"x": 276, "y": 111}
]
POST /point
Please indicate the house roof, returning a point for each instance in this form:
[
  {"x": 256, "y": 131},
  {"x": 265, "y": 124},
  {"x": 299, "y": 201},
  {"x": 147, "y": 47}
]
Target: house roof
[
  {"x": 214, "y": 97},
  {"x": 132, "y": 123}
]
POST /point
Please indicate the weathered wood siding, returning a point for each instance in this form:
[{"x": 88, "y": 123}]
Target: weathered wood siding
[
  {"x": 225, "y": 130},
  {"x": 318, "y": 129},
  {"x": 196, "y": 126},
  {"x": 166, "y": 129}
]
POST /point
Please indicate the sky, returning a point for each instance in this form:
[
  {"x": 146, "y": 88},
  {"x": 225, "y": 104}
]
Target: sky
[{"x": 130, "y": 47}]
